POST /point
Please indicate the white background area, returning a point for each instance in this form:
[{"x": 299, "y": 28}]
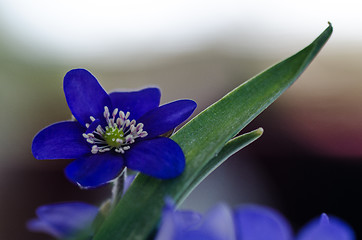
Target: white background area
[{"x": 76, "y": 29}]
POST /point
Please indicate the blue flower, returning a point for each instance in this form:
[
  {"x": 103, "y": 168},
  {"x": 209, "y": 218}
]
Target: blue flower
[
  {"x": 113, "y": 131},
  {"x": 68, "y": 220},
  {"x": 246, "y": 223},
  {"x": 64, "y": 220}
]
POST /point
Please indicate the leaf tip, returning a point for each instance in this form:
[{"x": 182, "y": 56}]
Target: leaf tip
[
  {"x": 259, "y": 131},
  {"x": 330, "y": 25}
]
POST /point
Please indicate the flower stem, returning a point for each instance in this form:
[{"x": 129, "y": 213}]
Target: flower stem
[{"x": 118, "y": 187}]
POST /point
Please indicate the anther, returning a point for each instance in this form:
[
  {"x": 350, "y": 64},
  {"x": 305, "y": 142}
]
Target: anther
[
  {"x": 119, "y": 122},
  {"x": 121, "y": 115},
  {"x": 115, "y": 112},
  {"x": 129, "y": 139},
  {"x": 132, "y": 127},
  {"x": 94, "y": 149},
  {"x": 119, "y": 150},
  {"x": 127, "y": 115},
  {"x": 140, "y": 126},
  {"x": 143, "y": 134},
  {"x": 127, "y": 123},
  {"x": 106, "y": 112}
]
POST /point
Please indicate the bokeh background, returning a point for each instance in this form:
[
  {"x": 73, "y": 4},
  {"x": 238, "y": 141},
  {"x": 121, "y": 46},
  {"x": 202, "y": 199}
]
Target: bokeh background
[{"x": 309, "y": 159}]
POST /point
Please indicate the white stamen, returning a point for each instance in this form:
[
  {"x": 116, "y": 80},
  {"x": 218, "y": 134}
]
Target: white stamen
[
  {"x": 94, "y": 149},
  {"x": 127, "y": 123},
  {"x": 126, "y": 131},
  {"x": 104, "y": 149},
  {"x": 133, "y": 129},
  {"x": 143, "y": 134},
  {"x": 119, "y": 122},
  {"x": 127, "y": 115},
  {"x": 129, "y": 138},
  {"x": 119, "y": 150},
  {"x": 106, "y": 112},
  {"x": 99, "y": 130},
  {"x": 115, "y": 112},
  {"x": 139, "y": 126},
  {"x": 121, "y": 115}
]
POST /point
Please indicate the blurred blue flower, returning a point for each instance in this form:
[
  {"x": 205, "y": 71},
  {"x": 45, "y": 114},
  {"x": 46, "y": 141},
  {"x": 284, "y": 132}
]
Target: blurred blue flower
[
  {"x": 113, "y": 131},
  {"x": 64, "y": 220},
  {"x": 246, "y": 223}
]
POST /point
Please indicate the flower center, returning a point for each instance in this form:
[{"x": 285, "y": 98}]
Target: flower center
[
  {"x": 119, "y": 133},
  {"x": 112, "y": 135}
]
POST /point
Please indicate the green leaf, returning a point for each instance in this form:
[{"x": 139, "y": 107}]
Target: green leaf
[
  {"x": 138, "y": 212},
  {"x": 231, "y": 147}
]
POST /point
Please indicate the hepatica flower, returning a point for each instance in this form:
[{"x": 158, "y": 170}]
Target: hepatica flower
[
  {"x": 246, "y": 223},
  {"x": 113, "y": 131},
  {"x": 64, "y": 220},
  {"x": 67, "y": 220}
]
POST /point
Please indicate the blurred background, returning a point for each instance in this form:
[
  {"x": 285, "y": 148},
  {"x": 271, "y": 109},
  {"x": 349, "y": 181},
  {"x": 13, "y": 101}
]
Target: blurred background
[{"x": 307, "y": 162}]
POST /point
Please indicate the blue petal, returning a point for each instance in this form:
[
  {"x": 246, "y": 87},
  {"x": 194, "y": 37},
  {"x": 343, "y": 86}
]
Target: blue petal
[
  {"x": 63, "y": 219},
  {"x": 217, "y": 225},
  {"x": 261, "y": 223},
  {"x": 93, "y": 126},
  {"x": 94, "y": 170},
  {"x": 175, "y": 223},
  {"x": 37, "y": 225},
  {"x": 84, "y": 95},
  {"x": 166, "y": 117},
  {"x": 160, "y": 157},
  {"x": 138, "y": 102},
  {"x": 62, "y": 140},
  {"x": 184, "y": 219},
  {"x": 187, "y": 219},
  {"x": 325, "y": 228}
]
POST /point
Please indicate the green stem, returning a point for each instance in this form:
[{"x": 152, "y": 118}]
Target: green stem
[{"x": 118, "y": 187}]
